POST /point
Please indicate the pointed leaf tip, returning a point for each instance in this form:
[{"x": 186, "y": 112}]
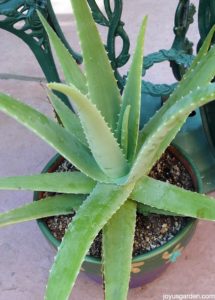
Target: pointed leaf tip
[
  {"x": 102, "y": 85},
  {"x": 70, "y": 68},
  {"x": 132, "y": 95}
]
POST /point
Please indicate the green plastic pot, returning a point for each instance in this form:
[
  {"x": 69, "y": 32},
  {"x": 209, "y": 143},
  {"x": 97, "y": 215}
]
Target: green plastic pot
[{"x": 148, "y": 266}]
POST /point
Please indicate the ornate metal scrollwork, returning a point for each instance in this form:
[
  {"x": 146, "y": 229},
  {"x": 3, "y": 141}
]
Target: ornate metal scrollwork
[
  {"x": 172, "y": 55},
  {"x": 20, "y": 18},
  {"x": 180, "y": 57},
  {"x": 112, "y": 20},
  {"x": 183, "y": 19}
]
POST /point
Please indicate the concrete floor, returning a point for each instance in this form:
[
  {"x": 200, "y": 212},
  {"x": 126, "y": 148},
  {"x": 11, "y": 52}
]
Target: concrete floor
[{"x": 25, "y": 256}]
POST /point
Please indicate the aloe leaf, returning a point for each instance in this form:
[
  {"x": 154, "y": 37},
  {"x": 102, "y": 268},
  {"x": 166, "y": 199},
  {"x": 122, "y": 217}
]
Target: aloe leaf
[
  {"x": 102, "y": 143},
  {"x": 69, "y": 120},
  {"x": 118, "y": 238},
  {"x": 200, "y": 73},
  {"x": 71, "y": 70},
  {"x": 205, "y": 47},
  {"x": 147, "y": 210},
  {"x": 53, "y": 134},
  {"x": 165, "y": 196},
  {"x": 96, "y": 210},
  {"x": 100, "y": 78},
  {"x": 124, "y": 131},
  {"x": 166, "y": 129},
  {"x": 51, "y": 206},
  {"x": 65, "y": 182},
  {"x": 132, "y": 95}
]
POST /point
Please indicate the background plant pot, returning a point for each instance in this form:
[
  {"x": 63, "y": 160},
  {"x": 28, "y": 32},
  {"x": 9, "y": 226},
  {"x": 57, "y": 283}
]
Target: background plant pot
[{"x": 145, "y": 267}]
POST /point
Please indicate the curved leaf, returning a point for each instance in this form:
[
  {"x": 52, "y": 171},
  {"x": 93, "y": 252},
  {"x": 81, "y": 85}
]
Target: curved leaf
[
  {"x": 53, "y": 134},
  {"x": 65, "y": 182},
  {"x": 200, "y": 73},
  {"x": 69, "y": 120},
  {"x": 102, "y": 143},
  {"x": 205, "y": 47},
  {"x": 51, "y": 206},
  {"x": 165, "y": 196},
  {"x": 71, "y": 70},
  {"x": 166, "y": 128}
]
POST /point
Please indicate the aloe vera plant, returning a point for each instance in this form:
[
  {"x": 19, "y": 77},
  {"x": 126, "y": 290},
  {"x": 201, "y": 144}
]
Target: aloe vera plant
[{"x": 112, "y": 157}]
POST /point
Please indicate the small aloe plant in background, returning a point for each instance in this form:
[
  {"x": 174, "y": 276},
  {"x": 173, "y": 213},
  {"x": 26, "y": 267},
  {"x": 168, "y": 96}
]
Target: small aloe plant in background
[{"x": 112, "y": 157}]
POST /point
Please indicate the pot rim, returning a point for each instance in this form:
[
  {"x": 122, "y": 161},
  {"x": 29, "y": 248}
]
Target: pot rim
[{"x": 190, "y": 166}]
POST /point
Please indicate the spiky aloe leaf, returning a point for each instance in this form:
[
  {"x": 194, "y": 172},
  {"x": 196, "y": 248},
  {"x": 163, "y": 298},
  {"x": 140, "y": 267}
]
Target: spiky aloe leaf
[
  {"x": 69, "y": 120},
  {"x": 132, "y": 95},
  {"x": 166, "y": 129},
  {"x": 205, "y": 47},
  {"x": 165, "y": 196},
  {"x": 51, "y": 206},
  {"x": 124, "y": 130},
  {"x": 200, "y": 73},
  {"x": 71, "y": 70},
  {"x": 147, "y": 210},
  {"x": 96, "y": 210},
  {"x": 65, "y": 182},
  {"x": 102, "y": 84},
  {"x": 54, "y": 134},
  {"x": 102, "y": 143},
  {"x": 118, "y": 238}
]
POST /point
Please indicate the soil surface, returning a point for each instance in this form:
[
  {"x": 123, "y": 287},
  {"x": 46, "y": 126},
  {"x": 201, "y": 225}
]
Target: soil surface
[{"x": 151, "y": 231}]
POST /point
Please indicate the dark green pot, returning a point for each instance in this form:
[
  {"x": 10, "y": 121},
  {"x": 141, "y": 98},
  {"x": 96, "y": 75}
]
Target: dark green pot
[{"x": 146, "y": 267}]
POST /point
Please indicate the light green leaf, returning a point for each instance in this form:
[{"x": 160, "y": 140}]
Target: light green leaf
[
  {"x": 124, "y": 131},
  {"x": 102, "y": 143},
  {"x": 96, "y": 210},
  {"x": 166, "y": 129},
  {"x": 71, "y": 70},
  {"x": 199, "y": 74},
  {"x": 69, "y": 120},
  {"x": 165, "y": 196},
  {"x": 132, "y": 95},
  {"x": 102, "y": 85},
  {"x": 65, "y": 182},
  {"x": 205, "y": 47},
  {"x": 53, "y": 134},
  {"x": 147, "y": 210},
  {"x": 118, "y": 239},
  {"x": 51, "y": 206}
]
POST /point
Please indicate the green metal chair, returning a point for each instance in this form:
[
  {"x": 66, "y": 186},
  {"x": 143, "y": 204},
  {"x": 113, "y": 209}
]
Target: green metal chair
[{"x": 197, "y": 136}]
